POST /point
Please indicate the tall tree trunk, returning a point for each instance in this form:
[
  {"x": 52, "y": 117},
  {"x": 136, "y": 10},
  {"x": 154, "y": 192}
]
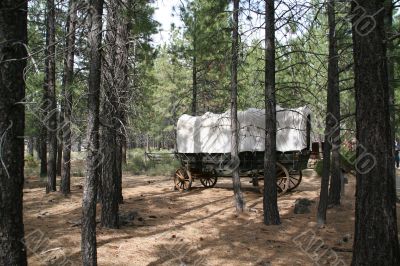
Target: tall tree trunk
[
  {"x": 13, "y": 37},
  {"x": 45, "y": 106},
  {"x": 108, "y": 195},
  {"x": 332, "y": 129},
  {"x": 323, "y": 195},
  {"x": 334, "y": 97},
  {"x": 118, "y": 169},
  {"x": 376, "y": 234},
  {"x": 52, "y": 116},
  {"x": 88, "y": 244},
  {"x": 113, "y": 82},
  {"x": 124, "y": 149},
  {"x": 270, "y": 201},
  {"x": 60, "y": 136},
  {"x": 30, "y": 145},
  {"x": 194, "y": 71},
  {"x": 391, "y": 71},
  {"x": 194, "y": 86},
  {"x": 67, "y": 83},
  {"x": 234, "y": 117},
  {"x": 79, "y": 144},
  {"x": 36, "y": 146},
  {"x": 124, "y": 28}
]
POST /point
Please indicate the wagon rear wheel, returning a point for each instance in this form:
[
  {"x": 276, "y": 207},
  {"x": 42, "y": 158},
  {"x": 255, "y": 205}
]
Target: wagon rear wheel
[
  {"x": 282, "y": 180},
  {"x": 183, "y": 179},
  {"x": 295, "y": 179},
  {"x": 210, "y": 180}
]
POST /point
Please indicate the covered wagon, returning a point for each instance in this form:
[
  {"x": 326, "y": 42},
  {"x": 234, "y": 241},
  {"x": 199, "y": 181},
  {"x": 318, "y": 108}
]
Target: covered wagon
[{"x": 204, "y": 147}]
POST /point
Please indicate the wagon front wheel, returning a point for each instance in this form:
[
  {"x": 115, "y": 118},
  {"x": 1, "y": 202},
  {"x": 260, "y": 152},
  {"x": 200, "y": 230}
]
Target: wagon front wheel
[
  {"x": 183, "y": 179},
  {"x": 210, "y": 180}
]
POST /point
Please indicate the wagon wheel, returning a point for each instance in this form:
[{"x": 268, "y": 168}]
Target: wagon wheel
[
  {"x": 282, "y": 177},
  {"x": 210, "y": 180},
  {"x": 183, "y": 179},
  {"x": 295, "y": 179}
]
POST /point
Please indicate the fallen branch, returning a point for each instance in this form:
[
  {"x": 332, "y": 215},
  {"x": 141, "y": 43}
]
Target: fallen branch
[{"x": 53, "y": 249}]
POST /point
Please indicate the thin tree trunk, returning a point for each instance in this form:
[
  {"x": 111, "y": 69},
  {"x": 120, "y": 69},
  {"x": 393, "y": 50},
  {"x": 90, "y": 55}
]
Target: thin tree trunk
[
  {"x": 108, "y": 197},
  {"x": 235, "y": 162},
  {"x": 332, "y": 128},
  {"x": 36, "y": 146},
  {"x": 67, "y": 83},
  {"x": 60, "y": 136},
  {"x": 391, "y": 70},
  {"x": 194, "y": 86},
  {"x": 79, "y": 144},
  {"x": 334, "y": 97},
  {"x": 376, "y": 234},
  {"x": 45, "y": 107},
  {"x": 270, "y": 201},
  {"x": 124, "y": 148},
  {"x": 88, "y": 244},
  {"x": 30, "y": 145},
  {"x": 52, "y": 116},
  {"x": 118, "y": 168},
  {"x": 194, "y": 71},
  {"x": 323, "y": 195},
  {"x": 124, "y": 29},
  {"x": 13, "y": 32},
  {"x": 115, "y": 91}
]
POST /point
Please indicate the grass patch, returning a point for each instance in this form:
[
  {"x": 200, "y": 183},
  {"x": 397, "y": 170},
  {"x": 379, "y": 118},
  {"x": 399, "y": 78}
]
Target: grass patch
[{"x": 138, "y": 164}]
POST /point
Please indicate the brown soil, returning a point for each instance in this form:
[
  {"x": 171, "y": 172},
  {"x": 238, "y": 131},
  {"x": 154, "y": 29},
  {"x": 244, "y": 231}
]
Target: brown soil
[{"x": 195, "y": 228}]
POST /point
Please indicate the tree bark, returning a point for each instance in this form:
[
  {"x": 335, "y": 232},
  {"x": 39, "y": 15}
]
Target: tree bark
[
  {"x": 30, "y": 145},
  {"x": 60, "y": 136},
  {"x": 270, "y": 201},
  {"x": 234, "y": 118},
  {"x": 194, "y": 86},
  {"x": 332, "y": 128},
  {"x": 334, "y": 97},
  {"x": 376, "y": 234},
  {"x": 52, "y": 115},
  {"x": 390, "y": 54},
  {"x": 88, "y": 244},
  {"x": 323, "y": 195},
  {"x": 124, "y": 149},
  {"x": 194, "y": 71},
  {"x": 13, "y": 37},
  {"x": 45, "y": 106},
  {"x": 68, "y": 80}
]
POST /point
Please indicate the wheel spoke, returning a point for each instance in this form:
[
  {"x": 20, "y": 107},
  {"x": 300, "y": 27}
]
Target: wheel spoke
[{"x": 180, "y": 175}]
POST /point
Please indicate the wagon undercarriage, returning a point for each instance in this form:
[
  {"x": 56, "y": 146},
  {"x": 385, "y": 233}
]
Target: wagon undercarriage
[{"x": 209, "y": 167}]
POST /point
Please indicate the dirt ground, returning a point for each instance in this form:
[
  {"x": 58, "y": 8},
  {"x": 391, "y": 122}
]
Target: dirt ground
[{"x": 195, "y": 228}]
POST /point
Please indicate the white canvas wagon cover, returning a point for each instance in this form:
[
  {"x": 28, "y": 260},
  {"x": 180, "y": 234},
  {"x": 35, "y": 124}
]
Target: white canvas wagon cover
[{"x": 211, "y": 133}]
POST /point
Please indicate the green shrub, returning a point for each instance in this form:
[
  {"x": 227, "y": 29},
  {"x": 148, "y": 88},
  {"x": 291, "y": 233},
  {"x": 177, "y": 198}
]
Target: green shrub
[
  {"x": 318, "y": 167},
  {"x": 347, "y": 159}
]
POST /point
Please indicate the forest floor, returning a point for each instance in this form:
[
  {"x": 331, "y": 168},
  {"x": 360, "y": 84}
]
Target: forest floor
[{"x": 195, "y": 228}]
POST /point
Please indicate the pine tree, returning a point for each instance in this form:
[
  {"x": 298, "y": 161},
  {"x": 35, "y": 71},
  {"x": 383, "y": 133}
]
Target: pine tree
[
  {"x": 376, "y": 234},
  {"x": 13, "y": 38},
  {"x": 88, "y": 243},
  {"x": 270, "y": 200}
]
